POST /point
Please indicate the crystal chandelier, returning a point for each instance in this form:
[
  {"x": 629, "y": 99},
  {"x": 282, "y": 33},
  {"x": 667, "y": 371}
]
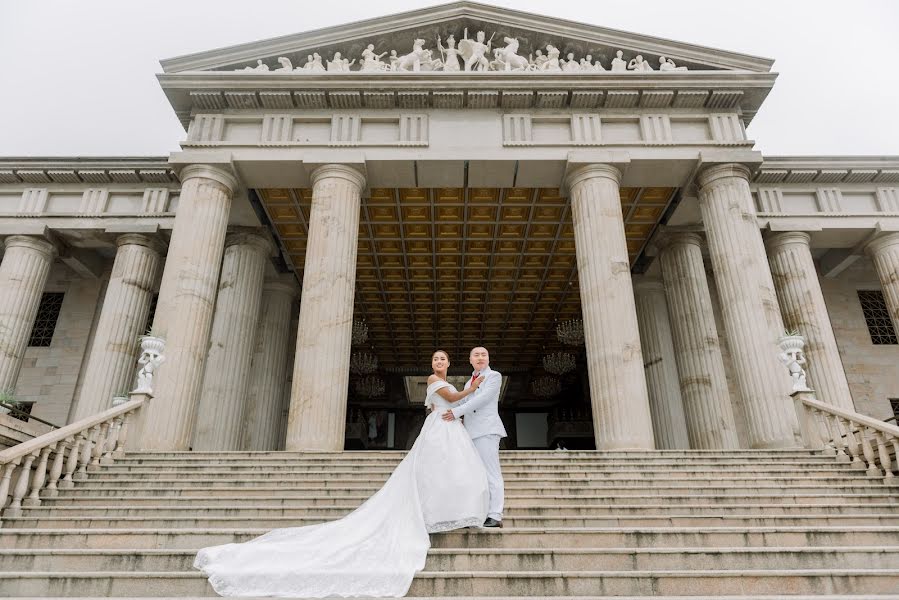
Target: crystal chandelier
[
  {"x": 360, "y": 332},
  {"x": 559, "y": 363},
  {"x": 363, "y": 363},
  {"x": 546, "y": 386},
  {"x": 571, "y": 332},
  {"x": 371, "y": 386}
]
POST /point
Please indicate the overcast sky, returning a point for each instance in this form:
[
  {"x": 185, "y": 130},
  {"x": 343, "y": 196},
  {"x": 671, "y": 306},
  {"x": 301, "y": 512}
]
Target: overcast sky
[{"x": 78, "y": 77}]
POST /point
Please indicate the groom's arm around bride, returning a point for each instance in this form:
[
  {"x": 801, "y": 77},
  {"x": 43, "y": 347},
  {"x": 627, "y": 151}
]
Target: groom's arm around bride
[{"x": 486, "y": 394}]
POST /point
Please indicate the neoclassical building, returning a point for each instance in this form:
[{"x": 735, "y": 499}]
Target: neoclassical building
[{"x": 583, "y": 202}]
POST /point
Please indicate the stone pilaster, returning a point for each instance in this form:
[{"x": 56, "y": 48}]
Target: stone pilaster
[
  {"x": 615, "y": 363},
  {"x": 23, "y": 274},
  {"x": 223, "y": 400},
  {"x": 884, "y": 251},
  {"x": 185, "y": 306},
  {"x": 112, "y": 363},
  {"x": 665, "y": 400},
  {"x": 268, "y": 374},
  {"x": 803, "y": 309},
  {"x": 749, "y": 305},
  {"x": 321, "y": 366},
  {"x": 707, "y": 405}
]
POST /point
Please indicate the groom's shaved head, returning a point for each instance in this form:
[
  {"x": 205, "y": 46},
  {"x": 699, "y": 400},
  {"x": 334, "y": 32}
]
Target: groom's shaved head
[{"x": 478, "y": 349}]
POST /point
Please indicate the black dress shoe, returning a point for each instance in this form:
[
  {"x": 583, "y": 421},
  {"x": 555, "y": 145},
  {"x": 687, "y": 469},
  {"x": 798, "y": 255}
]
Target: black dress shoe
[{"x": 491, "y": 522}]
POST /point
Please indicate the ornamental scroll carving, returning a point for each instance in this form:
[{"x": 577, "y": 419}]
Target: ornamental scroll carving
[{"x": 476, "y": 54}]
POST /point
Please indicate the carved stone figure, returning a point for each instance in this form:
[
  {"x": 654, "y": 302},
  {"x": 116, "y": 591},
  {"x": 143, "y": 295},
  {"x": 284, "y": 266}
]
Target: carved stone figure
[
  {"x": 286, "y": 65},
  {"x": 339, "y": 64},
  {"x": 638, "y": 64},
  {"x": 260, "y": 66},
  {"x": 792, "y": 356},
  {"x": 569, "y": 65},
  {"x": 508, "y": 56},
  {"x": 666, "y": 64},
  {"x": 371, "y": 62},
  {"x": 552, "y": 63},
  {"x": 587, "y": 63},
  {"x": 152, "y": 356},
  {"x": 537, "y": 60},
  {"x": 619, "y": 65},
  {"x": 473, "y": 51},
  {"x": 313, "y": 64},
  {"x": 450, "y": 55},
  {"x": 413, "y": 60}
]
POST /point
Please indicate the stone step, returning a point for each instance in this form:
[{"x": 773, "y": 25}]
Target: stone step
[
  {"x": 641, "y": 537},
  {"x": 824, "y": 478},
  {"x": 510, "y": 520},
  {"x": 305, "y": 498},
  {"x": 486, "y": 583},
  {"x": 253, "y": 510},
  {"x": 331, "y": 488},
  {"x": 527, "y": 454},
  {"x": 502, "y": 559},
  {"x": 608, "y": 467},
  {"x": 624, "y": 462}
]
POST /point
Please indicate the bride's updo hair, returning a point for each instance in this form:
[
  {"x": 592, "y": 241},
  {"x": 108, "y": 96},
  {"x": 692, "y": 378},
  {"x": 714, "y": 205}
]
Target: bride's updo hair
[{"x": 443, "y": 351}]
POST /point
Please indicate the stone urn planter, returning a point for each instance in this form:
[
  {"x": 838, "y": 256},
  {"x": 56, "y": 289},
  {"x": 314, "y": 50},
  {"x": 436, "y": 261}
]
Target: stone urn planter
[
  {"x": 791, "y": 343},
  {"x": 152, "y": 343},
  {"x": 152, "y": 355}
]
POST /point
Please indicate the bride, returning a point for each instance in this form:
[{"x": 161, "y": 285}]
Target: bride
[{"x": 375, "y": 550}]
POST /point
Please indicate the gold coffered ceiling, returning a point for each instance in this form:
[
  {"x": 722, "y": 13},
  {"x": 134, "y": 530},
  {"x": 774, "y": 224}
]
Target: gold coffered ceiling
[{"x": 454, "y": 268}]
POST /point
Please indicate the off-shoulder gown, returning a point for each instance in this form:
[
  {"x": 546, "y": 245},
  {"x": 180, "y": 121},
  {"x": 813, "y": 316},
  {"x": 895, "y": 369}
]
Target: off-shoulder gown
[{"x": 375, "y": 550}]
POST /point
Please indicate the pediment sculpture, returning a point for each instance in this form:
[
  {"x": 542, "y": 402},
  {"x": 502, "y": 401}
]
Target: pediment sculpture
[{"x": 475, "y": 54}]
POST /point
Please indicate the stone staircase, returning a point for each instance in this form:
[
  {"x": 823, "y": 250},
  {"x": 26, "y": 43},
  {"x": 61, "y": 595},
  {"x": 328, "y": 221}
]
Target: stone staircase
[{"x": 627, "y": 524}]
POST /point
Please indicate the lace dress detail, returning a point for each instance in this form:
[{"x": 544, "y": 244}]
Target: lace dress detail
[{"x": 375, "y": 550}]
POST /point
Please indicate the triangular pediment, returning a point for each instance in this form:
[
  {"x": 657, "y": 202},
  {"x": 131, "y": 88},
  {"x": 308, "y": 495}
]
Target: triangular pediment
[{"x": 398, "y": 32}]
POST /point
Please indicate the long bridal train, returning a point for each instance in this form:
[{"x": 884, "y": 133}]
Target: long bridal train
[{"x": 376, "y": 550}]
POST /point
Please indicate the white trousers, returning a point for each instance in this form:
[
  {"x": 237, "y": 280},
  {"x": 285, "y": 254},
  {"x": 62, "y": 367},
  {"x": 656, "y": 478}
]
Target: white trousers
[{"x": 488, "y": 448}]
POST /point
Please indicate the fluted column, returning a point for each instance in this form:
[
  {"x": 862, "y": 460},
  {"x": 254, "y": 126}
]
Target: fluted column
[
  {"x": 884, "y": 251},
  {"x": 803, "y": 309},
  {"x": 321, "y": 366},
  {"x": 268, "y": 374},
  {"x": 703, "y": 385},
  {"x": 185, "y": 306},
  {"x": 112, "y": 363},
  {"x": 665, "y": 402},
  {"x": 621, "y": 415},
  {"x": 224, "y": 394},
  {"x": 23, "y": 274},
  {"x": 749, "y": 305}
]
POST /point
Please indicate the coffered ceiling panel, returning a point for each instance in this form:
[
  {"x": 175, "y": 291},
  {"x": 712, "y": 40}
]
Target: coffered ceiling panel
[{"x": 454, "y": 268}]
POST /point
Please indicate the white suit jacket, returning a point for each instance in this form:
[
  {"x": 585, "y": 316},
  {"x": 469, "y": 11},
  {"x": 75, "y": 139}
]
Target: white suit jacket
[{"x": 481, "y": 409}]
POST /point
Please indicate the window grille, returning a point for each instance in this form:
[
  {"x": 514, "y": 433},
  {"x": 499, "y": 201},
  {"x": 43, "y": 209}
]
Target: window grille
[
  {"x": 877, "y": 317},
  {"x": 894, "y": 404},
  {"x": 45, "y": 322}
]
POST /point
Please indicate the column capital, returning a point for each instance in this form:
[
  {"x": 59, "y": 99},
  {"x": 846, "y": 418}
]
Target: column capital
[
  {"x": 668, "y": 238},
  {"x": 881, "y": 243},
  {"x": 592, "y": 171},
  {"x": 138, "y": 239},
  {"x": 32, "y": 242},
  {"x": 714, "y": 173},
  {"x": 257, "y": 239},
  {"x": 339, "y": 171},
  {"x": 781, "y": 239},
  {"x": 213, "y": 172}
]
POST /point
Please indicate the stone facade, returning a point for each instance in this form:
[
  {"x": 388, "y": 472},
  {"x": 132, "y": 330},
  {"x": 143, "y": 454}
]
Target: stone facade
[{"x": 479, "y": 208}]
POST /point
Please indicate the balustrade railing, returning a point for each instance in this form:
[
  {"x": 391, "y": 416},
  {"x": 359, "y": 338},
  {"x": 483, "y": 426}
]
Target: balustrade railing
[
  {"x": 56, "y": 460},
  {"x": 865, "y": 442}
]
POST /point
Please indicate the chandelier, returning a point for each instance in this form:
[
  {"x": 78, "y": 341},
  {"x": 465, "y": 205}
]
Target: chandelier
[
  {"x": 360, "y": 332},
  {"x": 546, "y": 386},
  {"x": 363, "y": 364},
  {"x": 559, "y": 363},
  {"x": 371, "y": 386},
  {"x": 571, "y": 332}
]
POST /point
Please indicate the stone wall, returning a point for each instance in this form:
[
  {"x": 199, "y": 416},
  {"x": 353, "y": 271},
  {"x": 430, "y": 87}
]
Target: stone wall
[
  {"x": 50, "y": 375},
  {"x": 872, "y": 370}
]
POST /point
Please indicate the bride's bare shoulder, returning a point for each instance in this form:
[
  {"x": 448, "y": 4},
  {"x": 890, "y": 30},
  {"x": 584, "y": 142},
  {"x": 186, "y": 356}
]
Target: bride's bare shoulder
[{"x": 432, "y": 379}]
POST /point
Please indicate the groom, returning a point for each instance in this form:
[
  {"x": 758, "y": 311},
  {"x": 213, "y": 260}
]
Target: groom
[{"x": 481, "y": 412}]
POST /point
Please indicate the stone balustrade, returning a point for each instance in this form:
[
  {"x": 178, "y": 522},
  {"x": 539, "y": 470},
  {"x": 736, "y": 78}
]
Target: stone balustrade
[
  {"x": 867, "y": 443},
  {"x": 56, "y": 460}
]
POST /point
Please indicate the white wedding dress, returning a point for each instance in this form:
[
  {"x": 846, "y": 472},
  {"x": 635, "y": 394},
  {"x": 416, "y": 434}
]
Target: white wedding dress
[{"x": 375, "y": 550}]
